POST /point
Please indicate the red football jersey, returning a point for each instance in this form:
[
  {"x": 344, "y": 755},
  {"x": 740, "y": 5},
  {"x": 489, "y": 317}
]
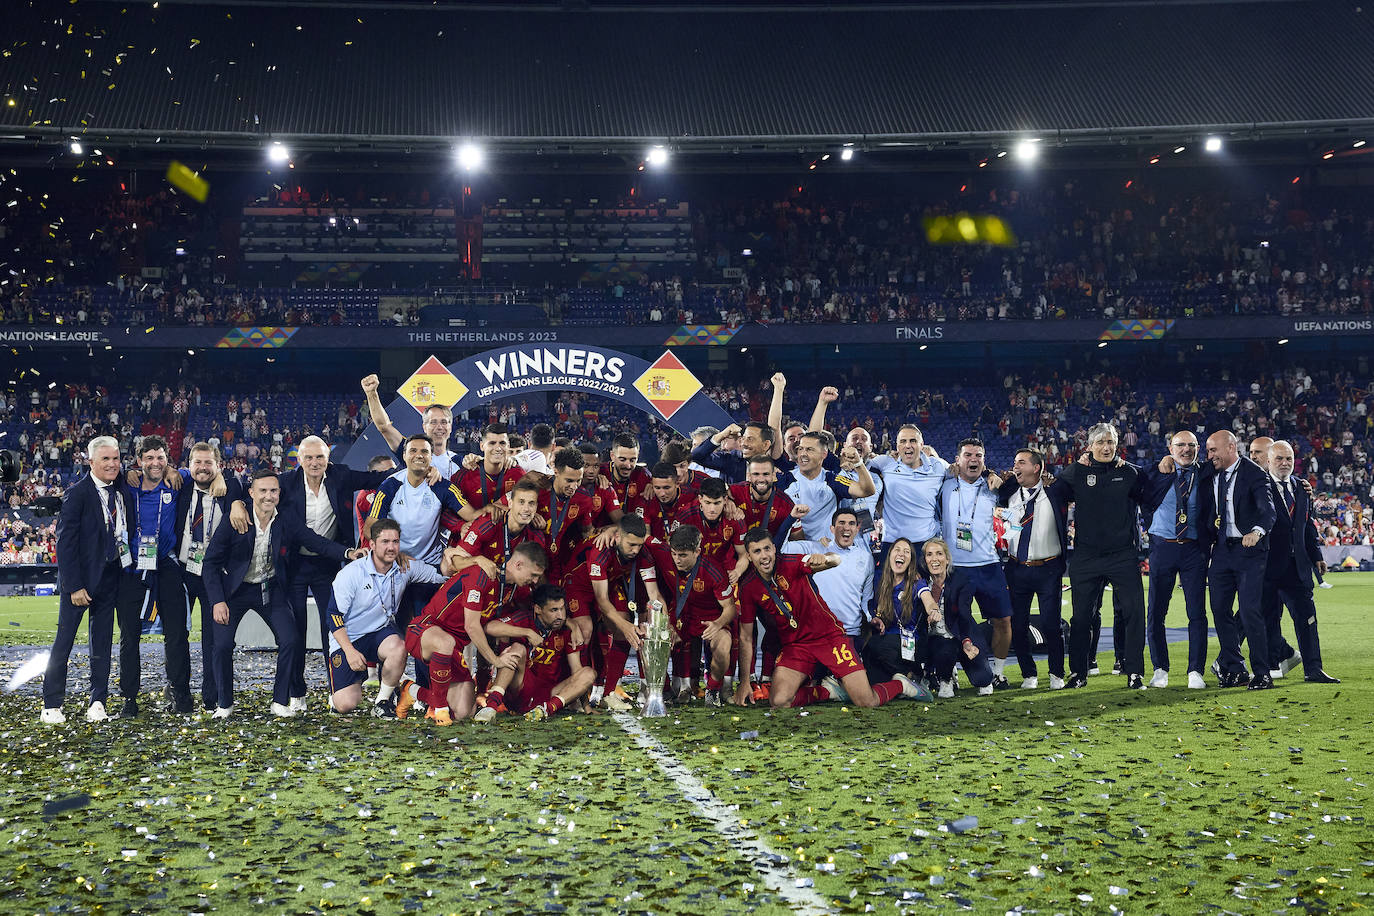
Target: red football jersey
[
  {"x": 489, "y": 538},
  {"x": 694, "y": 481},
  {"x": 548, "y": 662},
  {"x": 793, "y": 584},
  {"x": 604, "y": 502},
  {"x": 778, "y": 512},
  {"x": 471, "y": 589},
  {"x": 719, "y": 539},
  {"x": 480, "y": 488},
  {"x": 710, "y": 587},
  {"x": 663, "y": 519},
  {"x": 632, "y": 490},
  {"x": 565, "y": 525},
  {"x": 592, "y": 565},
  {"x": 362, "y": 508}
]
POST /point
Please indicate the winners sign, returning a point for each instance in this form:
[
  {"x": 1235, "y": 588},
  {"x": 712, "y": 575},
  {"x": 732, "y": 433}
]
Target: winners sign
[{"x": 664, "y": 388}]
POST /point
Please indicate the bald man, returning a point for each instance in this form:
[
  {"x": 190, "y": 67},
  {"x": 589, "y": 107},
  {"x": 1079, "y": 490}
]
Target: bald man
[
  {"x": 1259, "y": 451},
  {"x": 1294, "y": 554},
  {"x": 1239, "y": 505}
]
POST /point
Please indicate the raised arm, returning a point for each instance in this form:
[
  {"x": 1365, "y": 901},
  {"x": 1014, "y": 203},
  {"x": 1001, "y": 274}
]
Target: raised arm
[
  {"x": 829, "y": 395},
  {"x": 380, "y": 418},
  {"x": 775, "y": 412}
]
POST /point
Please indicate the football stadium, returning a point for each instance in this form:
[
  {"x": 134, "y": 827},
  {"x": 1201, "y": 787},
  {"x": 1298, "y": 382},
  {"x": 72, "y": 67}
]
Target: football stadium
[{"x": 686, "y": 458}]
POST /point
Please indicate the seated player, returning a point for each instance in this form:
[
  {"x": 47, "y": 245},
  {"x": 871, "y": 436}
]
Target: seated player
[
  {"x": 451, "y": 621},
  {"x": 701, "y": 602},
  {"x": 609, "y": 582},
  {"x": 722, "y": 539},
  {"x": 550, "y": 673},
  {"x": 780, "y": 587},
  {"x": 362, "y": 617},
  {"x": 489, "y": 540}
]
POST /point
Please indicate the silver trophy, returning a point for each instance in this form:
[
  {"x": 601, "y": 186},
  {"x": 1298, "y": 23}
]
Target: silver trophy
[{"x": 654, "y": 652}]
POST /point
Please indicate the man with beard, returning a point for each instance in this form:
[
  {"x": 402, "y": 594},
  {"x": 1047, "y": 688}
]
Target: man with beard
[
  {"x": 759, "y": 498},
  {"x": 818, "y": 489},
  {"x": 755, "y": 440},
  {"x": 550, "y": 673},
  {"x": 702, "y": 607},
  {"x": 628, "y": 480},
  {"x": 665, "y": 503}
]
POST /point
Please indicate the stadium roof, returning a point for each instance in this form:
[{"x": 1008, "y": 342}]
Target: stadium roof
[{"x": 391, "y": 75}]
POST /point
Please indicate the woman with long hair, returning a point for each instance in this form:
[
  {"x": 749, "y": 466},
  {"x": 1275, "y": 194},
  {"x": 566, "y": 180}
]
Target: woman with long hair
[
  {"x": 902, "y": 616},
  {"x": 960, "y": 640}
]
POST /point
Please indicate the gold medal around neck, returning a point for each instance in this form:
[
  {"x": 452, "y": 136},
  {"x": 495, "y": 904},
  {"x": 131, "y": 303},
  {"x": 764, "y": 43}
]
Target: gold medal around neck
[{"x": 632, "y": 606}]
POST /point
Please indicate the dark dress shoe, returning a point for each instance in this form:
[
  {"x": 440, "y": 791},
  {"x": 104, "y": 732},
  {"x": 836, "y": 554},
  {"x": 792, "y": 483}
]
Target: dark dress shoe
[
  {"x": 129, "y": 710},
  {"x": 182, "y": 704},
  {"x": 1076, "y": 680},
  {"x": 1242, "y": 678},
  {"x": 1321, "y": 677},
  {"x": 1261, "y": 682}
]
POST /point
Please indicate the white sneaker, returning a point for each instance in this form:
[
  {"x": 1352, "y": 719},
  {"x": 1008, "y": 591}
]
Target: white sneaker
[
  {"x": 1094, "y": 669},
  {"x": 1195, "y": 681},
  {"x": 297, "y": 705},
  {"x": 1160, "y": 678},
  {"x": 1324, "y": 585},
  {"x": 836, "y": 689},
  {"x": 282, "y": 712},
  {"x": 52, "y": 716},
  {"x": 97, "y": 712},
  {"x": 946, "y": 690},
  {"x": 222, "y": 712},
  {"x": 1056, "y": 682},
  {"x": 1030, "y": 683},
  {"x": 986, "y": 691},
  {"x": 1276, "y": 673},
  {"x": 1289, "y": 663},
  {"x": 615, "y": 703},
  {"x": 485, "y": 714}
]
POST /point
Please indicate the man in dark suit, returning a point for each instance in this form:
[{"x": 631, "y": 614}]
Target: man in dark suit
[
  {"x": 1294, "y": 552},
  {"x": 249, "y": 572},
  {"x": 1173, "y": 505},
  {"x": 319, "y": 495},
  {"x": 1038, "y": 536},
  {"x": 200, "y": 509},
  {"x": 1239, "y": 503},
  {"x": 95, "y": 562}
]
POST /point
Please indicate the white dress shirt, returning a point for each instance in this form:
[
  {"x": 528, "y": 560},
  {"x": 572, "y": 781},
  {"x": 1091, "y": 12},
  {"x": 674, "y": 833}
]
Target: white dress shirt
[
  {"x": 319, "y": 514},
  {"x": 260, "y": 569},
  {"x": 1044, "y": 543}
]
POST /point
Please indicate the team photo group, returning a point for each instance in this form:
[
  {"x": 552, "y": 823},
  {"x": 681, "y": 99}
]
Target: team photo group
[{"x": 791, "y": 566}]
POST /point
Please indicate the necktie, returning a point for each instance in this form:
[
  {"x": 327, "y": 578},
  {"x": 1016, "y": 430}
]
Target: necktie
[
  {"x": 198, "y": 518},
  {"x": 111, "y": 547},
  {"x": 1183, "y": 489},
  {"x": 1224, "y": 504},
  {"x": 1288, "y": 496},
  {"x": 1027, "y": 519}
]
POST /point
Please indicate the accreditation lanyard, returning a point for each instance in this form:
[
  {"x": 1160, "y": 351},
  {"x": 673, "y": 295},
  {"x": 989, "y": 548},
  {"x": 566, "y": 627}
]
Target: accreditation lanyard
[
  {"x": 386, "y": 591},
  {"x": 148, "y": 544},
  {"x": 684, "y": 591},
  {"x": 779, "y": 602}
]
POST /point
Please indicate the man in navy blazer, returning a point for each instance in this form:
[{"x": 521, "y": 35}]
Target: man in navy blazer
[
  {"x": 1294, "y": 552},
  {"x": 250, "y": 572},
  {"x": 94, "y": 563},
  {"x": 1240, "y": 506},
  {"x": 319, "y": 495},
  {"x": 1178, "y": 552},
  {"x": 1036, "y": 559},
  {"x": 200, "y": 509}
]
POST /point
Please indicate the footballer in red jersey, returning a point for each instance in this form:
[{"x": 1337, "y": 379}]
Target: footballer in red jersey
[
  {"x": 566, "y": 512},
  {"x": 780, "y": 588},
  {"x": 550, "y": 674},
  {"x": 760, "y": 499},
  {"x": 489, "y": 540},
  {"x": 701, "y": 601},
  {"x": 665, "y": 503},
  {"x": 451, "y": 621},
  {"x": 679, "y": 455},
  {"x": 629, "y": 481},
  {"x": 722, "y": 539},
  {"x": 606, "y": 508},
  {"x": 491, "y": 478}
]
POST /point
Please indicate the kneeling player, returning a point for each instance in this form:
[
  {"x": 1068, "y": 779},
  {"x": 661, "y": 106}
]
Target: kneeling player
[
  {"x": 362, "y": 620},
  {"x": 453, "y": 619},
  {"x": 702, "y": 602},
  {"x": 550, "y": 673},
  {"x": 781, "y": 589}
]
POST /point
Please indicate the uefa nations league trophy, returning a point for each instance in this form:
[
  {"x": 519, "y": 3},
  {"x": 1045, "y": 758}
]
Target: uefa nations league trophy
[{"x": 654, "y": 652}]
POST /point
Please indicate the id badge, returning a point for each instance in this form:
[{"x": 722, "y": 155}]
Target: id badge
[
  {"x": 126, "y": 559},
  {"x": 963, "y": 536},
  {"x": 909, "y": 645},
  {"x": 147, "y": 553},
  {"x": 195, "y": 558}
]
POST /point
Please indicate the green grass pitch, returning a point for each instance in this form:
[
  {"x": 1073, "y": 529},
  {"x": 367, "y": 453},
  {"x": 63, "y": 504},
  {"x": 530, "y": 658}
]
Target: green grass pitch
[{"x": 1091, "y": 801}]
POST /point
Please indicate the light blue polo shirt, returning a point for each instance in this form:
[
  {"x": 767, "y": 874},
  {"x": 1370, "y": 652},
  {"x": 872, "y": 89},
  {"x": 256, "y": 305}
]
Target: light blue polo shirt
[
  {"x": 909, "y": 508},
  {"x": 365, "y": 600},
  {"x": 971, "y": 504}
]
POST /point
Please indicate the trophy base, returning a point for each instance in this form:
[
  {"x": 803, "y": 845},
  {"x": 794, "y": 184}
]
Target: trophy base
[{"x": 654, "y": 707}]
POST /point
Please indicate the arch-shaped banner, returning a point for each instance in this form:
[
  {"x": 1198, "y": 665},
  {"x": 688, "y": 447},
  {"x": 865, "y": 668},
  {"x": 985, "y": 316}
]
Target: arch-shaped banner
[{"x": 664, "y": 389}]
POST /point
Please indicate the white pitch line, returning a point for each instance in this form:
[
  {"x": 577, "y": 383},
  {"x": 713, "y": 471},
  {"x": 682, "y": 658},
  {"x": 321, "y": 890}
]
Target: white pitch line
[{"x": 774, "y": 869}]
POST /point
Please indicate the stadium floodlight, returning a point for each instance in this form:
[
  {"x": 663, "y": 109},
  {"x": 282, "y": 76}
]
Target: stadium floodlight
[
  {"x": 277, "y": 154},
  {"x": 470, "y": 157},
  {"x": 1213, "y": 145},
  {"x": 1357, "y": 144},
  {"x": 657, "y": 156},
  {"x": 1282, "y": 341},
  {"x": 1027, "y": 150},
  {"x": 847, "y": 153},
  {"x": 1180, "y": 148},
  {"x": 77, "y": 149}
]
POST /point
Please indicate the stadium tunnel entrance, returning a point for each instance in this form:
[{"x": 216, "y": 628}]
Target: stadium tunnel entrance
[{"x": 664, "y": 389}]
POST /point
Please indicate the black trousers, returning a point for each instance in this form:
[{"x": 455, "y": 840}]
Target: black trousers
[
  {"x": 1236, "y": 579},
  {"x": 1185, "y": 563},
  {"x": 313, "y": 575},
  {"x": 1290, "y": 589},
  {"x": 166, "y": 587},
  {"x": 1089, "y": 576},
  {"x": 1044, "y": 584},
  {"x": 115, "y": 589},
  {"x": 195, "y": 596},
  {"x": 269, "y": 602}
]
